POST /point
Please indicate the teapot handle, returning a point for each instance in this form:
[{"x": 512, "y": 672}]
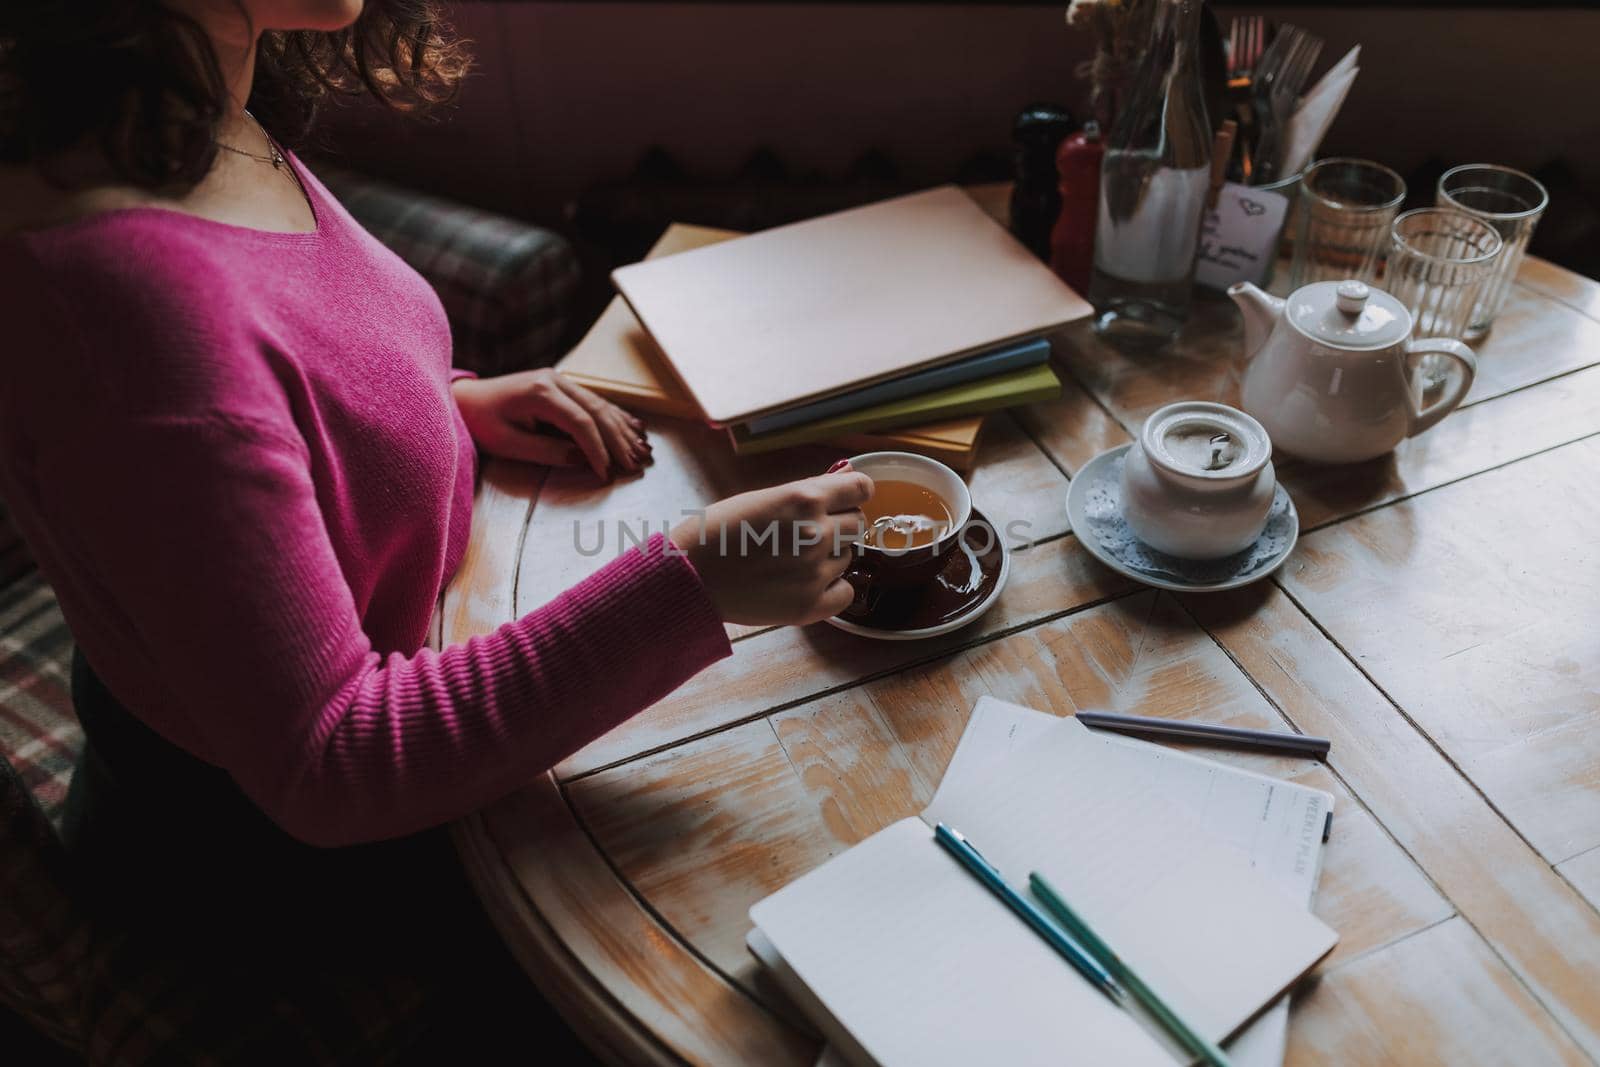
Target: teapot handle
[{"x": 1423, "y": 418}]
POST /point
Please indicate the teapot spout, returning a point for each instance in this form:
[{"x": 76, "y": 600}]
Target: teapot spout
[{"x": 1260, "y": 310}]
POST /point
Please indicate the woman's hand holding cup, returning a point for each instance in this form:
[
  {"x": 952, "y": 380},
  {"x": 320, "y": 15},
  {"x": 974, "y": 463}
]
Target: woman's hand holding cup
[{"x": 777, "y": 556}]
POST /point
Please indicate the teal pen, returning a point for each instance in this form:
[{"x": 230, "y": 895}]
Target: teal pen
[
  {"x": 1169, "y": 1019},
  {"x": 989, "y": 875}
]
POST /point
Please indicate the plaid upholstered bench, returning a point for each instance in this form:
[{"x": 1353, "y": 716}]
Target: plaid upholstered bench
[{"x": 100, "y": 992}]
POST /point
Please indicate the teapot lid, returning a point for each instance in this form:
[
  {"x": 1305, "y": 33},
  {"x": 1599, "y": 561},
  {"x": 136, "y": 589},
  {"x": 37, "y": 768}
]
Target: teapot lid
[{"x": 1349, "y": 314}]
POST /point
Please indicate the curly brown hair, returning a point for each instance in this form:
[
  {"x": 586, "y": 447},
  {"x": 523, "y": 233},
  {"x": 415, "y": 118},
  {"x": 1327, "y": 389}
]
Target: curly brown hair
[{"x": 141, "y": 83}]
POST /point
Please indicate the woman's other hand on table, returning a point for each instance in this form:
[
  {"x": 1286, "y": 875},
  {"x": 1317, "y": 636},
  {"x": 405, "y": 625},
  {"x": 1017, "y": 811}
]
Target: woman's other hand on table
[{"x": 504, "y": 415}]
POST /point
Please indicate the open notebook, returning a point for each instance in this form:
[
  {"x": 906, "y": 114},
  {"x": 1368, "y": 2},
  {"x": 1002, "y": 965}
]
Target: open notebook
[{"x": 905, "y": 959}]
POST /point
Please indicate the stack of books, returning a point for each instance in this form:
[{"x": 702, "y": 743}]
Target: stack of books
[
  {"x": 1182, "y": 886},
  {"x": 897, "y": 325}
]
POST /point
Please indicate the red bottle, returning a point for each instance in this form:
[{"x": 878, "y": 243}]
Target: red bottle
[{"x": 1072, "y": 240}]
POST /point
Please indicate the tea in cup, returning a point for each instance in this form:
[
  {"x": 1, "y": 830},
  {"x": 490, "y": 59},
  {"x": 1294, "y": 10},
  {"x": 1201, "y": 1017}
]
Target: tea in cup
[
  {"x": 914, "y": 519},
  {"x": 904, "y": 515}
]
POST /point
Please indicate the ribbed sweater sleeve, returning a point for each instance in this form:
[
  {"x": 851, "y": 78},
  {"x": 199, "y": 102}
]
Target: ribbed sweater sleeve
[{"x": 205, "y": 537}]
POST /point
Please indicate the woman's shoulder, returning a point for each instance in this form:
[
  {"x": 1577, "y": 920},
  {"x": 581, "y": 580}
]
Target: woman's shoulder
[
  {"x": 122, "y": 281},
  {"x": 134, "y": 262},
  {"x": 123, "y": 310},
  {"x": 140, "y": 250},
  {"x": 106, "y": 232}
]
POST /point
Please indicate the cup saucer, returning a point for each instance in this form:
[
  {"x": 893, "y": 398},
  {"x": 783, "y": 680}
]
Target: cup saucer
[
  {"x": 964, "y": 589},
  {"x": 1094, "y": 509}
]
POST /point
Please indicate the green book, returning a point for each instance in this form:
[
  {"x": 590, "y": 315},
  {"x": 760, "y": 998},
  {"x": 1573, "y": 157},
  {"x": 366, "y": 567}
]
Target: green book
[{"x": 1025, "y": 385}]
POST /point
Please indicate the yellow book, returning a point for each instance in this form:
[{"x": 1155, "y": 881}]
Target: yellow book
[{"x": 618, "y": 359}]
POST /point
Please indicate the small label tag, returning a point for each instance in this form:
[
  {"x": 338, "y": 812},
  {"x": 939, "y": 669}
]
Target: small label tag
[{"x": 1240, "y": 236}]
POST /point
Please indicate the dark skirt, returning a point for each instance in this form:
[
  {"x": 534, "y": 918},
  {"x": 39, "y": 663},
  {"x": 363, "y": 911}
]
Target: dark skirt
[{"x": 173, "y": 853}]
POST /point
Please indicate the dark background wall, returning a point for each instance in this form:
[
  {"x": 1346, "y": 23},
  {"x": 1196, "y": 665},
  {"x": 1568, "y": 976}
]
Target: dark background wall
[
  {"x": 764, "y": 112},
  {"x": 568, "y": 96}
]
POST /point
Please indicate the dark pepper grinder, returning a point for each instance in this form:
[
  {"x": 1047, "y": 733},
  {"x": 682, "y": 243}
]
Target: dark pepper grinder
[
  {"x": 1035, "y": 198},
  {"x": 1072, "y": 240}
]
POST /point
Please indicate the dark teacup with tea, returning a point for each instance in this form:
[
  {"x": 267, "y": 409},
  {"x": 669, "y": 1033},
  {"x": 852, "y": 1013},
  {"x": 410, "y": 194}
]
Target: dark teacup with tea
[{"x": 914, "y": 520}]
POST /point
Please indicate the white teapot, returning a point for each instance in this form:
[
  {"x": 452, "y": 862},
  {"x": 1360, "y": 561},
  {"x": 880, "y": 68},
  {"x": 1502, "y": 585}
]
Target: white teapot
[{"x": 1332, "y": 368}]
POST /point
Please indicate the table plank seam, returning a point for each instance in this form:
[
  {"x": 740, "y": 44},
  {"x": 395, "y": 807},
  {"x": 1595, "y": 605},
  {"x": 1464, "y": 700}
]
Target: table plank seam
[
  {"x": 1561, "y": 874},
  {"x": 1409, "y": 720},
  {"x": 1443, "y": 485},
  {"x": 1563, "y": 301},
  {"x": 1319, "y": 973},
  {"x": 833, "y": 690},
  {"x": 655, "y": 915},
  {"x": 1578, "y": 855},
  {"x": 788, "y": 756},
  {"x": 911, "y": 764},
  {"x": 1330, "y": 763},
  {"x": 1515, "y": 389},
  {"x": 1476, "y": 790},
  {"x": 1049, "y": 456},
  {"x": 1065, "y": 366},
  {"x": 877, "y": 714},
  {"x": 1494, "y": 949},
  {"x": 522, "y": 544}
]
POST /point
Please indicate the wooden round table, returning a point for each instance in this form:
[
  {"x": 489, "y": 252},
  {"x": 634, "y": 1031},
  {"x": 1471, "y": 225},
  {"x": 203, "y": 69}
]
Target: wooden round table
[{"x": 1439, "y": 621}]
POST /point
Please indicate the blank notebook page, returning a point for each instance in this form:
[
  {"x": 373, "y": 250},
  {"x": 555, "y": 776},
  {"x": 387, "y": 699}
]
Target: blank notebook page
[
  {"x": 1277, "y": 823},
  {"x": 925, "y": 967},
  {"x": 1217, "y": 939}
]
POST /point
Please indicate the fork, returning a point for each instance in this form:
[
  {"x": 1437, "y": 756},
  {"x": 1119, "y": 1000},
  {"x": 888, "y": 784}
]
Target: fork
[
  {"x": 1247, "y": 40},
  {"x": 1277, "y": 94},
  {"x": 1247, "y": 37}
]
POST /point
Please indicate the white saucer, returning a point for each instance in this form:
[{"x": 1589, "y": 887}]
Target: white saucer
[{"x": 1094, "y": 500}]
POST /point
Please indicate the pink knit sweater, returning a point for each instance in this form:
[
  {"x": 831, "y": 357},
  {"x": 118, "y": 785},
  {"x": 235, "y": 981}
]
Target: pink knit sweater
[{"x": 236, "y": 457}]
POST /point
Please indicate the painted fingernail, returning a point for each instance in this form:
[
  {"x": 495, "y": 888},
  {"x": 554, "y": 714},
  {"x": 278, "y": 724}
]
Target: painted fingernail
[{"x": 842, "y": 465}]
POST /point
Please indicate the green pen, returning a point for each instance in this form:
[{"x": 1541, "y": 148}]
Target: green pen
[
  {"x": 986, "y": 873},
  {"x": 1080, "y": 931}
]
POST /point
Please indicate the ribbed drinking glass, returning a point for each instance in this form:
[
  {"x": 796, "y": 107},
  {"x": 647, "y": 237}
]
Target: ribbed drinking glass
[
  {"x": 1439, "y": 260},
  {"x": 1346, "y": 207},
  {"x": 1512, "y": 203}
]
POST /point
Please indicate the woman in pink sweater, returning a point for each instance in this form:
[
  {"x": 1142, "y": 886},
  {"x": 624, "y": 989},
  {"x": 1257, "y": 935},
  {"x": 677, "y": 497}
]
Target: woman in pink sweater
[{"x": 232, "y": 436}]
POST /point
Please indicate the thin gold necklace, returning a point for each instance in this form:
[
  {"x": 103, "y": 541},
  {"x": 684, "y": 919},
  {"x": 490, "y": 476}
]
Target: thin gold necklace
[{"x": 276, "y": 158}]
